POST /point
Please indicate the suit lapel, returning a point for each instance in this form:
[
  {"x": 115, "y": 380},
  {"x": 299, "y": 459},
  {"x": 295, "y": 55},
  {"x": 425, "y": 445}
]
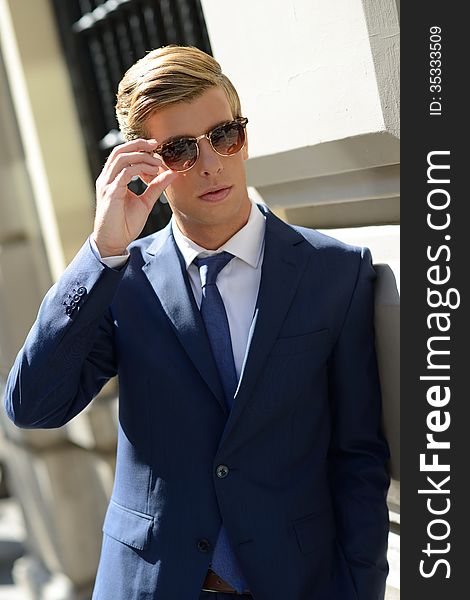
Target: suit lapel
[
  {"x": 167, "y": 274},
  {"x": 284, "y": 262}
]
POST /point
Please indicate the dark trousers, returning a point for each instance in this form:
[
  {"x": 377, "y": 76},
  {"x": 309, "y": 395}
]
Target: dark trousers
[{"x": 220, "y": 596}]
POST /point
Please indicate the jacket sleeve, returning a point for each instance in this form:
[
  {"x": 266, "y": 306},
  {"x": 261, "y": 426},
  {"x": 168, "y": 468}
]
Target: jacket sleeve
[
  {"x": 358, "y": 452},
  {"x": 69, "y": 353}
]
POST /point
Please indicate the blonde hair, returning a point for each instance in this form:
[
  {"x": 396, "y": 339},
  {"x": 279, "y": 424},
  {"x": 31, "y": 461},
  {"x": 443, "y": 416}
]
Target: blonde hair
[{"x": 165, "y": 76}]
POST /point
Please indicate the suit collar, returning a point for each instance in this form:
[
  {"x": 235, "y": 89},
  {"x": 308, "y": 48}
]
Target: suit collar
[{"x": 159, "y": 240}]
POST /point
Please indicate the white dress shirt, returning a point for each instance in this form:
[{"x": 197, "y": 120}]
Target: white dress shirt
[{"x": 238, "y": 282}]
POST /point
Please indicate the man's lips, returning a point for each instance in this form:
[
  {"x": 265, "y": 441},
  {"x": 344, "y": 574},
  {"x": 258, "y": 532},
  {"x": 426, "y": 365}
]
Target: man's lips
[{"x": 216, "y": 194}]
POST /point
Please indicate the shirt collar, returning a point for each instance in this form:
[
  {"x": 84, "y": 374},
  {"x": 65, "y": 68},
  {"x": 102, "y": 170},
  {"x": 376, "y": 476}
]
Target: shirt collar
[{"x": 246, "y": 244}]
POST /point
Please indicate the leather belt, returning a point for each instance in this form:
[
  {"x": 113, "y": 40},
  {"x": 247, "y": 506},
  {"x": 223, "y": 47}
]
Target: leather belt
[{"x": 213, "y": 583}]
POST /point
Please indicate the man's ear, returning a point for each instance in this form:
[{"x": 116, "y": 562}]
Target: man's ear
[{"x": 245, "y": 147}]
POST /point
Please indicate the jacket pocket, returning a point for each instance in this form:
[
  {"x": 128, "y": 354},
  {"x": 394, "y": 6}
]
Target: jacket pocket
[
  {"x": 128, "y": 526},
  {"x": 300, "y": 343},
  {"x": 315, "y": 530}
]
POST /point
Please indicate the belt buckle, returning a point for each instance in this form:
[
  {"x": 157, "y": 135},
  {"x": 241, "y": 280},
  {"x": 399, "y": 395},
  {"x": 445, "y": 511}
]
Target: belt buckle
[
  {"x": 219, "y": 580},
  {"x": 234, "y": 593}
]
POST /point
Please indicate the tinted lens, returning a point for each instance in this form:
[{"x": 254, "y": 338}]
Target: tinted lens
[
  {"x": 179, "y": 155},
  {"x": 228, "y": 139}
]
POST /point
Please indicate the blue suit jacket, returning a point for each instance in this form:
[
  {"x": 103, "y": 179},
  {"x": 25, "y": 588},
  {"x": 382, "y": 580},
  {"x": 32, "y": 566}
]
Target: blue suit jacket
[{"x": 304, "y": 501}]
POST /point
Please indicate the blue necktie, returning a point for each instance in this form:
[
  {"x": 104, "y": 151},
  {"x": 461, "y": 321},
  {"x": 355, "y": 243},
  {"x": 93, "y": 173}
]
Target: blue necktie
[{"x": 215, "y": 319}]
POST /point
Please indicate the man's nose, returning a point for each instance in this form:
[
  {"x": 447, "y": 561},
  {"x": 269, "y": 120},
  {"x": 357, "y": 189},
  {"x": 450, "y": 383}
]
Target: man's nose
[{"x": 209, "y": 161}]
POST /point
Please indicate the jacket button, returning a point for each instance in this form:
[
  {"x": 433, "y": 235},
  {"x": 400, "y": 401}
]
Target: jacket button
[
  {"x": 203, "y": 545},
  {"x": 222, "y": 471},
  {"x": 81, "y": 290}
]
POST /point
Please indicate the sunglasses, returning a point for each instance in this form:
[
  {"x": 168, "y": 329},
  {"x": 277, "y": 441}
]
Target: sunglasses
[{"x": 181, "y": 154}]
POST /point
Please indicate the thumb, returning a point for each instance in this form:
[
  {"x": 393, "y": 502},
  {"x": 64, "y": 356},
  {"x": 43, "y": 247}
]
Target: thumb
[{"x": 157, "y": 185}]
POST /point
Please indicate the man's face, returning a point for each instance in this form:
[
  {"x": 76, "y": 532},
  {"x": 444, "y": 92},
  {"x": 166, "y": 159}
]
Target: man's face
[{"x": 196, "y": 215}]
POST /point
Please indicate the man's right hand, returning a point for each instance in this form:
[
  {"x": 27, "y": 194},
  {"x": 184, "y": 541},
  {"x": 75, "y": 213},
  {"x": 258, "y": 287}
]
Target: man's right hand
[{"x": 121, "y": 214}]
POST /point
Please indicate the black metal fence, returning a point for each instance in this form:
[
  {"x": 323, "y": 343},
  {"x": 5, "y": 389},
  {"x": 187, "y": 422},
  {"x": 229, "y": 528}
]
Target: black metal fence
[{"x": 101, "y": 40}]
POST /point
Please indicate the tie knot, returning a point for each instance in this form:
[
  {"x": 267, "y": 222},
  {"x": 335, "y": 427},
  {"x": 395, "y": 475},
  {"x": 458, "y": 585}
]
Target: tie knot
[{"x": 210, "y": 266}]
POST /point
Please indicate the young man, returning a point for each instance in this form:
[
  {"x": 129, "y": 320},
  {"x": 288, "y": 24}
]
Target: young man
[{"x": 250, "y": 458}]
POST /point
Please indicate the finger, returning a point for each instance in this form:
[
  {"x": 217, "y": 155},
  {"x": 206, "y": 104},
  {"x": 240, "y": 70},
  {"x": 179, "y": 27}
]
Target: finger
[
  {"x": 157, "y": 186},
  {"x": 129, "y": 159},
  {"x": 138, "y": 145},
  {"x": 128, "y": 173}
]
